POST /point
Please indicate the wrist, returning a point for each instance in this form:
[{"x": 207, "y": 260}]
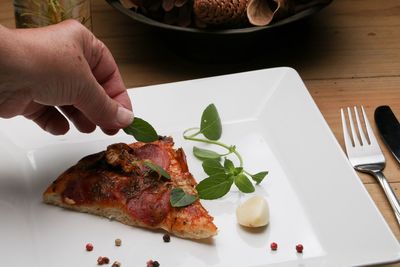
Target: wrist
[
  {"x": 5, "y": 58},
  {"x": 14, "y": 61}
]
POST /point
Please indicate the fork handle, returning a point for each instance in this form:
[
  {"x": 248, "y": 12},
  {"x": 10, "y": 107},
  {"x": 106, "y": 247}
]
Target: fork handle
[{"x": 394, "y": 202}]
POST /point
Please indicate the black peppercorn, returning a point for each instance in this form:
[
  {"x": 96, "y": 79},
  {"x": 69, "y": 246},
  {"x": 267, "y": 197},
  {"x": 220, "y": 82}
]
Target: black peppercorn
[{"x": 166, "y": 238}]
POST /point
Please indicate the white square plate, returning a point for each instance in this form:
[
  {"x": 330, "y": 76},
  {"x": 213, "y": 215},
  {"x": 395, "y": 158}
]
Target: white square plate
[{"x": 314, "y": 195}]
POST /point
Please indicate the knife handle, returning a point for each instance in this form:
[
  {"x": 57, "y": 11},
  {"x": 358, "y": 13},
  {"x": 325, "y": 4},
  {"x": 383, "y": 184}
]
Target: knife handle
[{"x": 394, "y": 202}]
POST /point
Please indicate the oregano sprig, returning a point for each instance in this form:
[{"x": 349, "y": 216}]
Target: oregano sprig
[{"x": 222, "y": 175}]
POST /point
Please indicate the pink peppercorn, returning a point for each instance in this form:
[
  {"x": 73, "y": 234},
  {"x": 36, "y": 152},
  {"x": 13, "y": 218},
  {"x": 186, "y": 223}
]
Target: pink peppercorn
[
  {"x": 89, "y": 247},
  {"x": 274, "y": 246},
  {"x": 299, "y": 248}
]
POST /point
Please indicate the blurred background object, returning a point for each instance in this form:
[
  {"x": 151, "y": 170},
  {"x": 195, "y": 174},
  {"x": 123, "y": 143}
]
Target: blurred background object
[
  {"x": 39, "y": 13},
  {"x": 227, "y": 43},
  {"x": 220, "y": 14}
]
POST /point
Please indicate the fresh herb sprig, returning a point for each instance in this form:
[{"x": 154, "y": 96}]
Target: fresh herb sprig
[{"x": 221, "y": 176}]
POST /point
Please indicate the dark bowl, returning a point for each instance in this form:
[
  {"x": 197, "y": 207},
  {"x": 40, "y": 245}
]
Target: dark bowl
[{"x": 220, "y": 44}]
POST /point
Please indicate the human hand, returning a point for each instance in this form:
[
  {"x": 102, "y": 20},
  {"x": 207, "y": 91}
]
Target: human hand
[{"x": 58, "y": 72}]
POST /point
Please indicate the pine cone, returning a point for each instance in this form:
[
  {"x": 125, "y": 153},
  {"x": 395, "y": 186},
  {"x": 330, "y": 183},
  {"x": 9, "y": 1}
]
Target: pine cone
[
  {"x": 220, "y": 12},
  {"x": 173, "y": 12}
]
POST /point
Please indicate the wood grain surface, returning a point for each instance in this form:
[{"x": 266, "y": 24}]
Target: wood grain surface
[{"x": 348, "y": 54}]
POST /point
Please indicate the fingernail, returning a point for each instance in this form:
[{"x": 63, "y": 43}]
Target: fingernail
[{"x": 124, "y": 116}]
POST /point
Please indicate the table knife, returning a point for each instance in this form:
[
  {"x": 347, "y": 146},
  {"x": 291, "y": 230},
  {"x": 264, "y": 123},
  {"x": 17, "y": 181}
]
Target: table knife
[{"x": 389, "y": 129}]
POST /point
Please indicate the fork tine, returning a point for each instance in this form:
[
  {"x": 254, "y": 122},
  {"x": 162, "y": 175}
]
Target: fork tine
[
  {"x": 353, "y": 130},
  {"x": 360, "y": 129},
  {"x": 346, "y": 135},
  {"x": 370, "y": 133}
]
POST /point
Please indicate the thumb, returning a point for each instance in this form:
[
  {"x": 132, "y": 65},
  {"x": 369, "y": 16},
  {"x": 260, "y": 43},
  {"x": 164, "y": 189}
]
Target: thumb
[{"x": 102, "y": 110}]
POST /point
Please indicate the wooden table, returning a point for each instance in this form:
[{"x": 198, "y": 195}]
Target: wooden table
[{"x": 348, "y": 54}]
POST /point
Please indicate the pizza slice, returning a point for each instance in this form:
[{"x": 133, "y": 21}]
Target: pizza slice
[{"x": 118, "y": 184}]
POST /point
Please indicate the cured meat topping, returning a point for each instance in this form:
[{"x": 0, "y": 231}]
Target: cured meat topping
[{"x": 135, "y": 185}]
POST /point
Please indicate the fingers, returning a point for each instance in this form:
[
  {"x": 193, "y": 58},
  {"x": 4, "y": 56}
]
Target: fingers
[
  {"x": 13, "y": 103},
  {"x": 105, "y": 101},
  {"x": 81, "y": 122},
  {"x": 115, "y": 88},
  {"x": 110, "y": 131},
  {"x": 105, "y": 71},
  {"x": 101, "y": 110},
  {"x": 48, "y": 118}
]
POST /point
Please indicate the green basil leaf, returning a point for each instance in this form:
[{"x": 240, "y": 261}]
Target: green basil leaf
[
  {"x": 258, "y": 177},
  {"x": 157, "y": 169},
  {"x": 179, "y": 198},
  {"x": 212, "y": 166},
  {"x": 203, "y": 154},
  {"x": 142, "y": 131},
  {"x": 210, "y": 125},
  {"x": 214, "y": 186},
  {"x": 229, "y": 167},
  {"x": 244, "y": 184}
]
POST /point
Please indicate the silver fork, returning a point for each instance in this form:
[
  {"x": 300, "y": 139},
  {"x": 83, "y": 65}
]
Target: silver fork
[{"x": 366, "y": 156}]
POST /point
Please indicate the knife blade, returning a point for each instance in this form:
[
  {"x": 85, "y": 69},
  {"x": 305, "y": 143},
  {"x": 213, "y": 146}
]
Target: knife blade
[{"x": 389, "y": 129}]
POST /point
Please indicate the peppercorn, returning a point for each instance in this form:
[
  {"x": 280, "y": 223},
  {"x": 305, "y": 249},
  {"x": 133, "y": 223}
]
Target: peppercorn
[
  {"x": 116, "y": 264},
  {"x": 152, "y": 263},
  {"x": 103, "y": 260},
  {"x": 118, "y": 242},
  {"x": 166, "y": 238},
  {"x": 89, "y": 247},
  {"x": 106, "y": 260},
  {"x": 274, "y": 246},
  {"x": 299, "y": 248}
]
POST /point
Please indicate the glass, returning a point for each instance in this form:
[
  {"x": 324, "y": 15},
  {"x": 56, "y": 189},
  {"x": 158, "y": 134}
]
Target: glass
[{"x": 38, "y": 13}]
